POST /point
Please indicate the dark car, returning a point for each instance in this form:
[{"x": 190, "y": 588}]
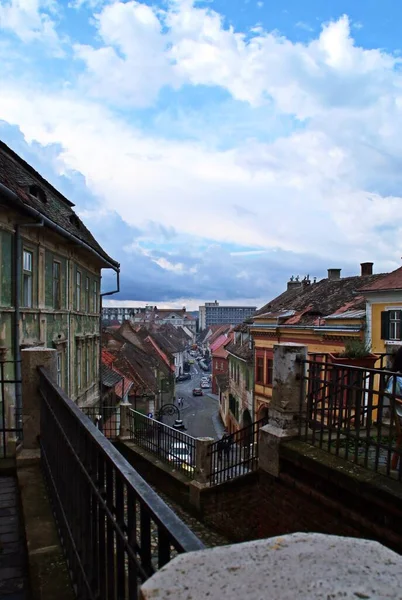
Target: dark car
[
  {"x": 197, "y": 392},
  {"x": 183, "y": 377}
]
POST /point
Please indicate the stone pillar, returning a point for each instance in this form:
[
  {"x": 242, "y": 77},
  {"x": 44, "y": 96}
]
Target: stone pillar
[
  {"x": 284, "y": 410},
  {"x": 124, "y": 420},
  {"x": 32, "y": 358},
  {"x": 202, "y": 460}
]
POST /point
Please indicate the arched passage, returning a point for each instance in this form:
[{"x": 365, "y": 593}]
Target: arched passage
[
  {"x": 263, "y": 413},
  {"x": 246, "y": 418}
]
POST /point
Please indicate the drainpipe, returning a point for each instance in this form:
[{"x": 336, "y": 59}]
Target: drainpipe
[{"x": 17, "y": 311}]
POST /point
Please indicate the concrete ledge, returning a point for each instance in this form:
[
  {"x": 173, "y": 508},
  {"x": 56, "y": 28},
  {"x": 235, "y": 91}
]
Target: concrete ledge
[
  {"x": 303, "y": 566},
  {"x": 48, "y": 570}
]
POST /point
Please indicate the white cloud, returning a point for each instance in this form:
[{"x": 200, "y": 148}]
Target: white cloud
[
  {"x": 30, "y": 20},
  {"x": 328, "y": 188}
]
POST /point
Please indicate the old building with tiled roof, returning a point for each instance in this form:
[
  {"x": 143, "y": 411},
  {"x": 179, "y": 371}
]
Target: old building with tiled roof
[
  {"x": 50, "y": 276},
  {"x": 323, "y": 315},
  {"x": 238, "y": 411}
]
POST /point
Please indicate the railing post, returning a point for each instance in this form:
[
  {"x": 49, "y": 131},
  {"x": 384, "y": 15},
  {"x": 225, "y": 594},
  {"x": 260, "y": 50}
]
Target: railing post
[
  {"x": 284, "y": 410},
  {"x": 32, "y": 358},
  {"x": 124, "y": 420},
  {"x": 202, "y": 459}
]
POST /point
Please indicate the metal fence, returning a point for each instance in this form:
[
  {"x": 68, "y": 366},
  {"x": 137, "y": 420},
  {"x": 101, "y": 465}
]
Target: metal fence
[
  {"x": 115, "y": 530},
  {"x": 10, "y": 416},
  {"x": 105, "y": 418},
  {"x": 167, "y": 443},
  {"x": 354, "y": 413},
  {"x": 236, "y": 454}
]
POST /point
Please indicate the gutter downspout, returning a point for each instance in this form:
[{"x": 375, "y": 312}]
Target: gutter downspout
[{"x": 17, "y": 313}]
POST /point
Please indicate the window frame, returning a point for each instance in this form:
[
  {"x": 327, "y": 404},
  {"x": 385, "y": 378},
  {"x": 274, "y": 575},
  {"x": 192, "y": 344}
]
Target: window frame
[
  {"x": 259, "y": 380},
  {"x": 269, "y": 371},
  {"x": 59, "y": 369},
  {"x": 79, "y": 367},
  {"x": 27, "y": 278},
  {"x": 87, "y": 287},
  {"x": 78, "y": 284},
  {"x": 56, "y": 304},
  {"x": 95, "y": 296}
]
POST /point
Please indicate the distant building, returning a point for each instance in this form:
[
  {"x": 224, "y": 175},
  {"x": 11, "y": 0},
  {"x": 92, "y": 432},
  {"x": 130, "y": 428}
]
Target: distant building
[
  {"x": 213, "y": 314},
  {"x": 151, "y": 315}
]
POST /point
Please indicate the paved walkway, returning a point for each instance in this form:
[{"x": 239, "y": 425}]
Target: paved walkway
[{"x": 13, "y": 561}]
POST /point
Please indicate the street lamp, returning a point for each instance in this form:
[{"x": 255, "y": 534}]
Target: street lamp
[{"x": 171, "y": 409}]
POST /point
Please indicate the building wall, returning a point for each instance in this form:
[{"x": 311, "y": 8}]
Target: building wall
[
  {"x": 226, "y": 315},
  {"x": 375, "y": 306},
  {"x": 220, "y": 366},
  {"x": 63, "y": 321},
  {"x": 240, "y": 394}
]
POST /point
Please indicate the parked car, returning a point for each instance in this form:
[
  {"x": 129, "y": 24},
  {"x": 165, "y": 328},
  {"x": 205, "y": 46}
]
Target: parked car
[
  {"x": 183, "y": 377},
  {"x": 197, "y": 392},
  {"x": 179, "y": 454},
  {"x": 205, "y": 384}
]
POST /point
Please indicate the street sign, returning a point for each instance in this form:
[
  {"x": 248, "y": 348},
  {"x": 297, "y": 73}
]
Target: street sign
[{"x": 150, "y": 415}]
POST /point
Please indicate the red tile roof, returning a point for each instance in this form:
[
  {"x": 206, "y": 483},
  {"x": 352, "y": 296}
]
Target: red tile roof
[
  {"x": 125, "y": 384},
  {"x": 390, "y": 281}
]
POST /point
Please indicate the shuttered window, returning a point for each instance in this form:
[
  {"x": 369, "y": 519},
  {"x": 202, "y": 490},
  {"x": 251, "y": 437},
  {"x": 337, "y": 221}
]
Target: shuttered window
[{"x": 391, "y": 325}]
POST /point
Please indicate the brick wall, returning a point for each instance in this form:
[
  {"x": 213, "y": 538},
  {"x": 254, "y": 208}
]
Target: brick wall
[{"x": 310, "y": 498}]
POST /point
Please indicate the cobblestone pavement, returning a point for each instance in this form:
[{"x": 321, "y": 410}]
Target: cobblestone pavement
[{"x": 13, "y": 565}]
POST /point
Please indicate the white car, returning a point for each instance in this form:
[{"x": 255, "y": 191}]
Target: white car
[
  {"x": 179, "y": 453},
  {"x": 205, "y": 384}
]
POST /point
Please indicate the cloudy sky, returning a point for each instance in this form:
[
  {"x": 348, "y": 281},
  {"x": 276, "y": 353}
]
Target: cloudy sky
[{"x": 217, "y": 147}]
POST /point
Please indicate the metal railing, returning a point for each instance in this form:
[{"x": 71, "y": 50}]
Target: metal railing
[
  {"x": 165, "y": 442},
  {"x": 354, "y": 413},
  {"x": 10, "y": 415},
  {"x": 236, "y": 454},
  {"x": 105, "y": 418},
  {"x": 114, "y": 529}
]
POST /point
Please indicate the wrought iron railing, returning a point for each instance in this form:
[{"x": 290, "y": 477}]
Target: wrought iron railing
[
  {"x": 167, "y": 443},
  {"x": 105, "y": 418},
  {"x": 354, "y": 413},
  {"x": 236, "y": 454},
  {"x": 115, "y": 530},
  {"x": 10, "y": 415}
]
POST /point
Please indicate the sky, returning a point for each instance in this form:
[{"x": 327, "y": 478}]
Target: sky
[{"x": 214, "y": 148}]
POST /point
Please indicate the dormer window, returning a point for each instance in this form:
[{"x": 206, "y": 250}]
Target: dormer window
[
  {"x": 37, "y": 193},
  {"x": 74, "y": 220}
]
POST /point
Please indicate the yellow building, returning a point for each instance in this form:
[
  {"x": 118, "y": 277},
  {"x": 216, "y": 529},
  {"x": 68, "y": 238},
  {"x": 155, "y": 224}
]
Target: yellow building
[
  {"x": 383, "y": 312},
  {"x": 323, "y": 315}
]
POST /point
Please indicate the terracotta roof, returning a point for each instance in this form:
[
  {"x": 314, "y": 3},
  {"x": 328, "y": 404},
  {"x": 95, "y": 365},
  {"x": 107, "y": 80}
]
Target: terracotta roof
[
  {"x": 311, "y": 303},
  {"x": 390, "y": 281},
  {"x": 125, "y": 383},
  {"x": 222, "y": 329},
  {"x": 18, "y": 176},
  {"x": 218, "y": 342},
  {"x": 242, "y": 351},
  {"x": 109, "y": 377}
]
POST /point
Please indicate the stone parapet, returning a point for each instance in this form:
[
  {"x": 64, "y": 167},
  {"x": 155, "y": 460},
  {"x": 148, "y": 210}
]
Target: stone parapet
[{"x": 307, "y": 566}]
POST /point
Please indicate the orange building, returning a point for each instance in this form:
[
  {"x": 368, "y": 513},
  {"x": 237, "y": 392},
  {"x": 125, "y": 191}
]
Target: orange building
[{"x": 322, "y": 315}]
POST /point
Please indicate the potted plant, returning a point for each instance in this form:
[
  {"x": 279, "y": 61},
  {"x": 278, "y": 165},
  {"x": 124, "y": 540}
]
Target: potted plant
[{"x": 357, "y": 353}]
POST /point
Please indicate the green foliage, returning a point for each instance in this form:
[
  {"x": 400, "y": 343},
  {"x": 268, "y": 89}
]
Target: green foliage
[{"x": 356, "y": 349}]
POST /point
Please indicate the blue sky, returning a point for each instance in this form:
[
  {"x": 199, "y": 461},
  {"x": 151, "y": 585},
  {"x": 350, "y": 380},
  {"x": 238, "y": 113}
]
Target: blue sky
[{"x": 214, "y": 148}]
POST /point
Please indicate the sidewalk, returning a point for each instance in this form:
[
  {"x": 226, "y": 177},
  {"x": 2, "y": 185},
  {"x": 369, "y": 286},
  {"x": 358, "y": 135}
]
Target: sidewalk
[{"x": 13, "y": 560}]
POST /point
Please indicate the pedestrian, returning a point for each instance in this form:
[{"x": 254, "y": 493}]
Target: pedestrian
[{"x": 224, "y": 445}]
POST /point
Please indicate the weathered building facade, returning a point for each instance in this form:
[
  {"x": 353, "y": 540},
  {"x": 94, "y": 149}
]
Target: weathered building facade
[
  {"x": 50, "y": 277},
  {"x": 239, "y": 411}
]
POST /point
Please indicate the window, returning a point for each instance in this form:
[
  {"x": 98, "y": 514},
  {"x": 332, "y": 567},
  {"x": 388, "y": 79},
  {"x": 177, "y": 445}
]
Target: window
[
  {"x": 59, "y": 369},
  {"x": 78, "y": 291},
  {"x": 56, "y": 284},
  {"x": 87, "y": 294},
  {"x": 270, "y": 371},
  {"x": 27, "y": 287},
  {"x": 391, "y": 325},
  {"x": 87, "y": 365},
  {"x": 247, "y": 379},
  {"x": 237, "y": 373},
  {"x": 259, "y": 375},
  {"x": 95, "y": 360},
  {"x": 79, "y": 369}
]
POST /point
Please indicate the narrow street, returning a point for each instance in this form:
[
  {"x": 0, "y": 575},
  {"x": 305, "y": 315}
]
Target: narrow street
[{"x": 200, "y": 414}]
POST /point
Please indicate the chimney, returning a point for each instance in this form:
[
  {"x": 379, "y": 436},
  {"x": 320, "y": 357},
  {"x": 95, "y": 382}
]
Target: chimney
[
  {"x": 334, "y": 274},
  {"x": 366, "y": 268},
  {"x": 294, "y": 283}
]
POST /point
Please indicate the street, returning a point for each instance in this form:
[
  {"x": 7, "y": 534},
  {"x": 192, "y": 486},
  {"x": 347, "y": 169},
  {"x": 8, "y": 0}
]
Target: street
[{"x": 200, "y": 414}]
